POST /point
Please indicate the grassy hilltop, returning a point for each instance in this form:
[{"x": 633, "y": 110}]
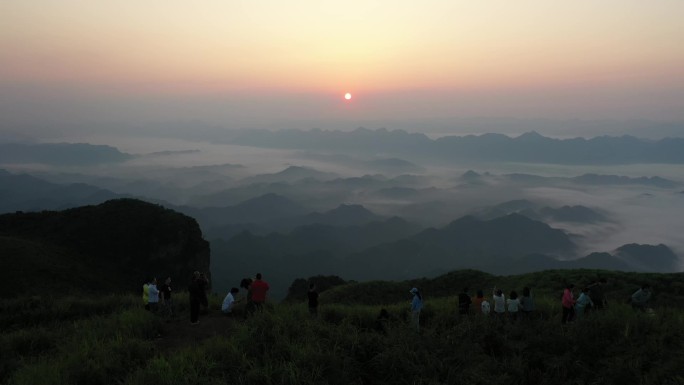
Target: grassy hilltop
[{"x": 112, "y": 340}]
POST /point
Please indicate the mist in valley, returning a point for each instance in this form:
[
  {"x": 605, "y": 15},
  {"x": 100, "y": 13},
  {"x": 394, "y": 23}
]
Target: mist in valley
[{"x": 233, "y": 190}]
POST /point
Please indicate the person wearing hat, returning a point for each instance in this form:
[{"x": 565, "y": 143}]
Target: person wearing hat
[{"x": 416, "y": 306}]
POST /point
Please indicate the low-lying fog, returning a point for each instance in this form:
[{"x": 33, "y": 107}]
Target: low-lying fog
[{"x": 200, "y": 174}]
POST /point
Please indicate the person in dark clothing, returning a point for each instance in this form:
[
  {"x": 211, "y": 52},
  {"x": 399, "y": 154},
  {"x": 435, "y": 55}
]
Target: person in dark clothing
[
  {"x": 197, "y": 292},
  {"x": 464, "y": 302},
  {"x": 204, "y": 287},
  {"x": 313, "y": 301},
  {"x": 381, "y": 321},
  {"x": 165, "y": 297},
  {"x": 598, "y": 295}
]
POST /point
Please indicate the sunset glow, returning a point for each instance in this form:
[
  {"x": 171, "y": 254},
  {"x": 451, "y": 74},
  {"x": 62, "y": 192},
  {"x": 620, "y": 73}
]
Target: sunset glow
[
  {"x": 509, "y": 58},
  {"x": 348, "y": 96}
]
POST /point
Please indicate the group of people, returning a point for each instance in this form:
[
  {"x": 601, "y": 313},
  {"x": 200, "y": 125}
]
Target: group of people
[
  {"x": 479, "y": 304},
  {"x": 517, "y": 306},
  {"x": 256, "y": 290},
  {"x": 158, "y": 299},
  {"x": 522, "y": 306}
]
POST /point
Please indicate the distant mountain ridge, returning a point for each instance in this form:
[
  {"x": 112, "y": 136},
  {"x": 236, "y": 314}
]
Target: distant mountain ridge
[
  {"x": 575, "y": 214},
  {"x": 529, "y": 147},
  {"x": 585, "y": 179},
  {"x": 22, "y": 192},
  {"x": 61, "y": 153}
]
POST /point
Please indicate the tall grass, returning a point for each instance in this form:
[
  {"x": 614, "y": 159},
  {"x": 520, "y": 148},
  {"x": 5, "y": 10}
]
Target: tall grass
[{"x": 347, "y": 344}]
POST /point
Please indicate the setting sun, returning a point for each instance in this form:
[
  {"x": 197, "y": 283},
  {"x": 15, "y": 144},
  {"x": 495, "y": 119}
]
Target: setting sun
[{"x": 347, "y": 96}]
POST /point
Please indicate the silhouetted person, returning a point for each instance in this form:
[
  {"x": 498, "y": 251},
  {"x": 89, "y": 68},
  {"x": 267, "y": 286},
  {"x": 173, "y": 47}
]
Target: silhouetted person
[
  {"x": 165, "y": 297},
  {"x": 204, "y": 288},
  {"x": 381, "y": 321},
  {"x": 312, "y": 295},
  {"x": 464, "y": 302},
  {"x": 513, "y": 304},
  {"x": 196, "y": 293},
  {"x": 527, "y": 303},
  {"x": 597, "y": 293}
]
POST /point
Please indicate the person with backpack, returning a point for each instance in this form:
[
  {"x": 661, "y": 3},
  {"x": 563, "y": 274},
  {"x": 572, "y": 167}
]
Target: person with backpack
[
  {"x": 485, "y": 307},
  {"x": 568, "y": 304},
  {"x": 641, "y": 297}
]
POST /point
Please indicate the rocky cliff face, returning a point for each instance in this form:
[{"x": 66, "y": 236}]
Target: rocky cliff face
[{"x": 121, "y": 242}]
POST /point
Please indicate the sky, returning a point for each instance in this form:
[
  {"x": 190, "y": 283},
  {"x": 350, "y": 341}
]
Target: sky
[{"x": 288, "y": 64}]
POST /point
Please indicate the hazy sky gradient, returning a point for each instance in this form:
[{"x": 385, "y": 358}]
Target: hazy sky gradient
[{"x": 269, "y": 63}]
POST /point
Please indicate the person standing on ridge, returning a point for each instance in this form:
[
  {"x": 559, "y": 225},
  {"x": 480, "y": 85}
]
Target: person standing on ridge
[
  {"x": 312, "y": 294},
  {"x": 464, "y": 302},
  {"x": 203, "y": 282},
  {"x": 195, "y": 294},
  {"x": 259, "y": 289},
  {"x": 153, "y": 299},
  {"x": 165, "y": 296},
  {"x": 416, "y": 307}
]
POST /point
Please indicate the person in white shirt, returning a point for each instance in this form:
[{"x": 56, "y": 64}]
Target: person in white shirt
[
  {"x": 513, "y": 305},
  {"x": 153, "y": 299},
  {"x": 229, "y": 301}
]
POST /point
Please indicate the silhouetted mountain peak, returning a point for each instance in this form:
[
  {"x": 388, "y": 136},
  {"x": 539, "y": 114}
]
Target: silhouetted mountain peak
[
  {"x": 470, "y": 174},
  {"x": 350, "y": 209},
  {"x": 649, "y": 257},
  {"x": 531, "y": 136}
]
